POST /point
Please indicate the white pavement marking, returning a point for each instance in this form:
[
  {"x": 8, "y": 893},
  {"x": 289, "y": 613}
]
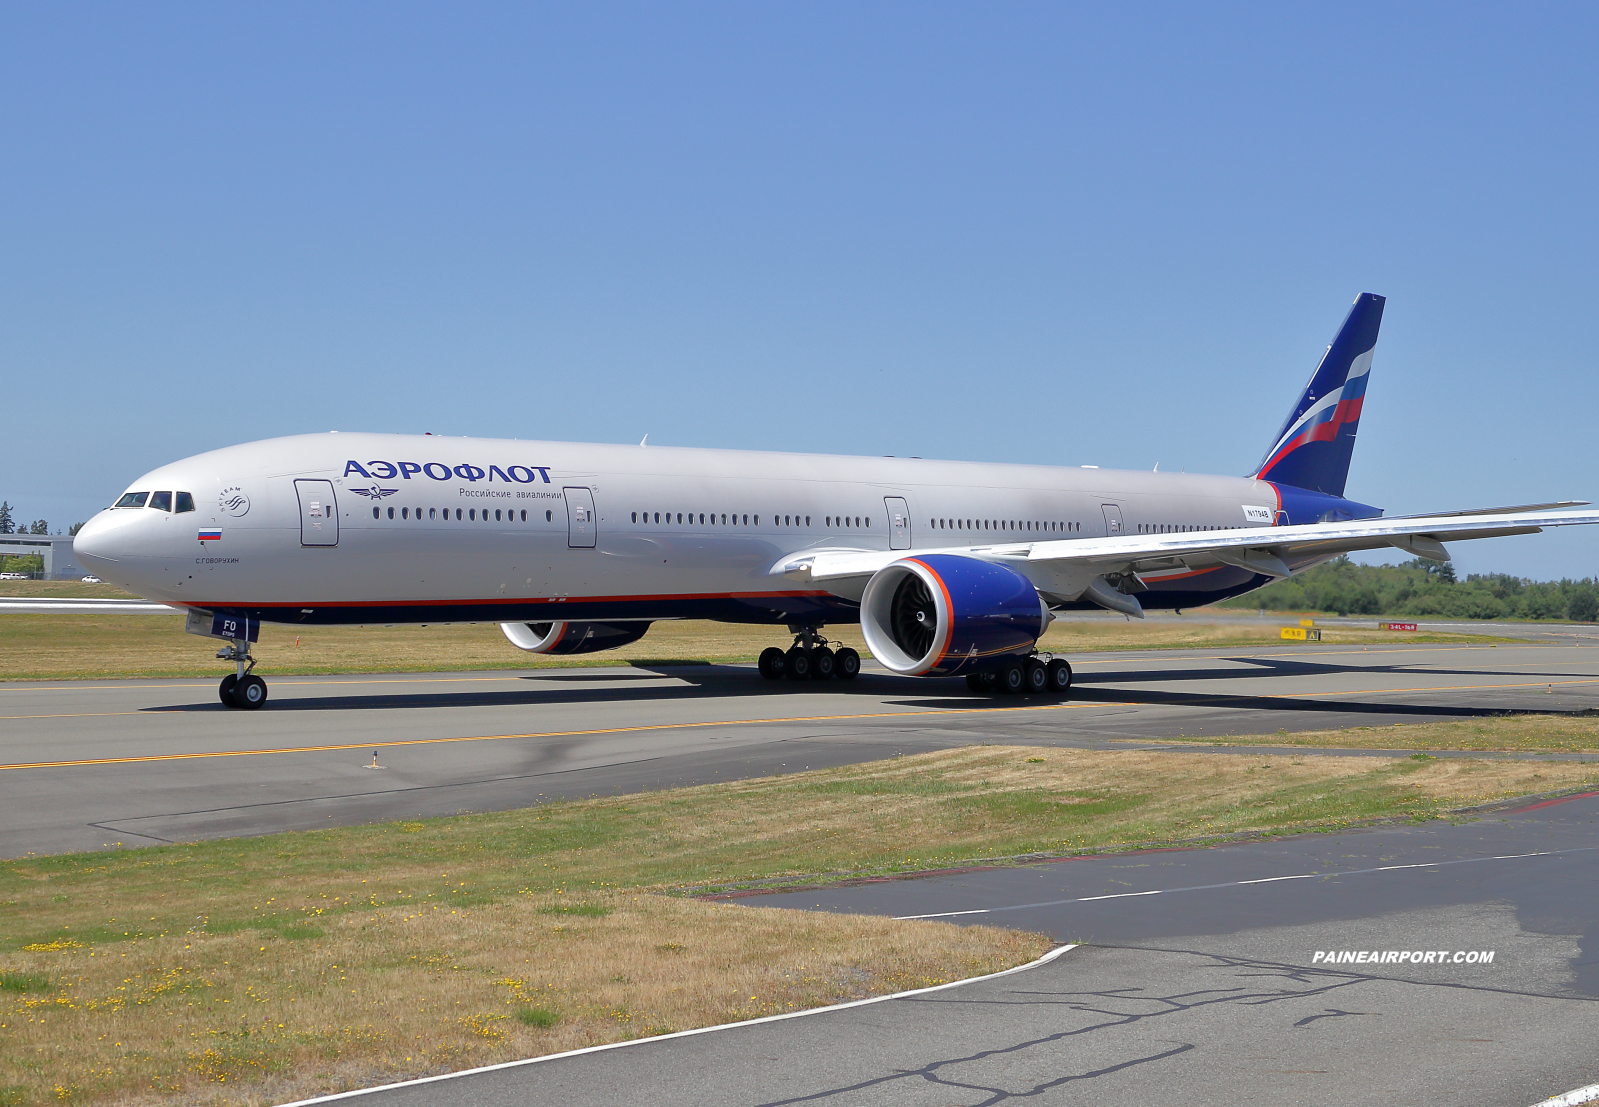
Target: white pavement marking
[
  {"x": 1240, "y": 883},
  {"x": 92, "y": 607},
  {"x": 1572, "y": 1098},
  {"x": 1044, "y": 960}
]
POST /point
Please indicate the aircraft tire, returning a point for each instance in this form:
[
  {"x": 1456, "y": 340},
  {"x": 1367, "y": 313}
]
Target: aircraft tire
[
  {"x": 1036, "y": 676},
  {"x": 823, "y": 663},
  {"x": 1013, "y": 679},
  {"x": 1060, "y": 677},
  {"x": 771, "y": 663},
  {"x": 798, "y": 664},
  {"x": 251, "y": 693},
  {"x": 226, "y": 689},
  {"x": 846, "y": 664}
]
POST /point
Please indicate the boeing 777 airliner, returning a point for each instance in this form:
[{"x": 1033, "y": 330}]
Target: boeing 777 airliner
[{"x": 951, "y": 568}]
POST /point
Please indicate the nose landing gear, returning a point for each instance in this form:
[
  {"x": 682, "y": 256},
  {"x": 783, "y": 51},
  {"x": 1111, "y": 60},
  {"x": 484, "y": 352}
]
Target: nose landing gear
[
  {"x": 809, "y": 659},
  {"x": 242, "y": 689}
]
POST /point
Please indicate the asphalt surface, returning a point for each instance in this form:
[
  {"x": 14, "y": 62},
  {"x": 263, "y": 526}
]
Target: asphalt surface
[
  {"x": 94, "y": 764},
  {"x": 1199, "y": 985}
]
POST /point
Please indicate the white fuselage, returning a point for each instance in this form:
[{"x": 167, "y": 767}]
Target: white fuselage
[{"x": 359, "y": 527}]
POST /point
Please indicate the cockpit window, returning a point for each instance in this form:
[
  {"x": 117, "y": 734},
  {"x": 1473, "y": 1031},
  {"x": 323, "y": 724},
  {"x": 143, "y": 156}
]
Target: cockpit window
[
  {"x": 161, "y": 501},
  {"x": 132, "y": 499},
  {"x": 185, "y": 502}
]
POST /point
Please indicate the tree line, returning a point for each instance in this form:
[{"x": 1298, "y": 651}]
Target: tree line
[{"x": 1422, "y": 587}]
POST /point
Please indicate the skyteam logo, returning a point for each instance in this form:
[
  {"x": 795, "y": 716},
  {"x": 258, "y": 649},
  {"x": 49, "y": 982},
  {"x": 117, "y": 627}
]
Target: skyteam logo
[
  {"x": 234, "y": 501},
  {"x": 374, "y": 493},
  {"x": 436, "y": 470}
]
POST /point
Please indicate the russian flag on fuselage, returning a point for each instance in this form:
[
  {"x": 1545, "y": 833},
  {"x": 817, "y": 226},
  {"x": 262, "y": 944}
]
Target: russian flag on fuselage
[{"x": 1317, "y": 440}]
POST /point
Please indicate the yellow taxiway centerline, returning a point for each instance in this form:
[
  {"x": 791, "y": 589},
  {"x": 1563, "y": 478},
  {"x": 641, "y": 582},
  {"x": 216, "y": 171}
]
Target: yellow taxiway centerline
[{"x": 719, "y": 722}]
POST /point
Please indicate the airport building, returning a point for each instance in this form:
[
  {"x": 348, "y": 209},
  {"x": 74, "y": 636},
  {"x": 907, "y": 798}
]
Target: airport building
[{"x": 56, "y": 549}]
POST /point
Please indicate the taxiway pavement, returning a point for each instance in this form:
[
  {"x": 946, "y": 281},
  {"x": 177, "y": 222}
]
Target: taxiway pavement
[
  {"x": 1198, "y": 983},
  {"x": 95, "y": 764}
]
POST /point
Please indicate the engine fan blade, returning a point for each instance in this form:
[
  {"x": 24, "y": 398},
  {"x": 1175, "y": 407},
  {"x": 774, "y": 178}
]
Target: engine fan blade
[{"x": 913, "y": 616}]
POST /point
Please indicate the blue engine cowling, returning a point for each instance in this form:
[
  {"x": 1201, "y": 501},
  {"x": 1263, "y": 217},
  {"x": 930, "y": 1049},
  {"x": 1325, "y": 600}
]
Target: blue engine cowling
[
  {"x": 561, "y": 638},
  {"x": 944, "y": 614}
]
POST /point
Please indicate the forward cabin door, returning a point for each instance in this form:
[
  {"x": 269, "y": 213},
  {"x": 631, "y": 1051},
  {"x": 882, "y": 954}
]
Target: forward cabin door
[
  {"x": 319, "y": 513},
  {"x": 899, "y": 523},
  {"x": 579, "y": 518},
  {"x": 1113, "y": 520}
]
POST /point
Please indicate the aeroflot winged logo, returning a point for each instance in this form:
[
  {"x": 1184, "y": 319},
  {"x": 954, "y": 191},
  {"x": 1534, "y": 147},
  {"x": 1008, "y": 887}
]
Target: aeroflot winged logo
[
  {"x": 374, "y": 493},
  {"x": 434, "y": 470}
]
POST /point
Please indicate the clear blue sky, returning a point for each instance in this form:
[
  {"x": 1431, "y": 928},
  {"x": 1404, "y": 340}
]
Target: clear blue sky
[{"x": 1106, "y": 234}]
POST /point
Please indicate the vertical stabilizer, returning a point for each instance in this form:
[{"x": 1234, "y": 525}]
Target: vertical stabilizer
[{"x": 1317, "y": 439}]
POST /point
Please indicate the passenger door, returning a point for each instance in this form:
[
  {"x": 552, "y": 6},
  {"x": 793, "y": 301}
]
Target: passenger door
[
  {"x": 899, "y": 523},
  {"x": 580, "y": 518},
  {"x": 1113, "y": 520},
  {"x": 319, "y": 513}
]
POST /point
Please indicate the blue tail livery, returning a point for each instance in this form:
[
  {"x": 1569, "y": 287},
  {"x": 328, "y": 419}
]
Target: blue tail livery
[{"x": 1313, "y": 448}]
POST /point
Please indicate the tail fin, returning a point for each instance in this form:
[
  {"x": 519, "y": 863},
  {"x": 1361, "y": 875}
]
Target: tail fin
[{"x": 1317, "y": 439}]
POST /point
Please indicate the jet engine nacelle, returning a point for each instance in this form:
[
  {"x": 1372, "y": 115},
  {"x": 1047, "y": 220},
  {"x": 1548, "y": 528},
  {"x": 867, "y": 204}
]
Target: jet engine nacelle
[
  {"x": 572, "y": 637},
  {"x": 942, "y": 614}
]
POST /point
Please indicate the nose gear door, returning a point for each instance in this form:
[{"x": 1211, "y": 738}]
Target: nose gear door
[
  {"x": 580, "y": 518},
  {"x": 319, "y": 513},
  {"x": 1113, "y": 520},
  {"x": 899, "y": 523}
]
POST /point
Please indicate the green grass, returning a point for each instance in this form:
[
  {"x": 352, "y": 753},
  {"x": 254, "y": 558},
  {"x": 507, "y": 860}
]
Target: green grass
[
  {"x": 23, "y": 982},
  {"x": 541, "y": 1017}
]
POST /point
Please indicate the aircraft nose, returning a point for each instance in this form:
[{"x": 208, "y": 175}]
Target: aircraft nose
[{"x": 95, "y": 545}]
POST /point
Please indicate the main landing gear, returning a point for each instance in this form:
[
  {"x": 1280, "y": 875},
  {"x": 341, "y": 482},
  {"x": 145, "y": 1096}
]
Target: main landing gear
[
  {"x": 1025, "y": 676},
  {"x": 809, "y": 659},
  {"x": 242, "y": 689}
]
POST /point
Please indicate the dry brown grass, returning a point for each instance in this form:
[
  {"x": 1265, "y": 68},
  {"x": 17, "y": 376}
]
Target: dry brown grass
[
  {"x": 1526, "y": 733},
  {"x": 68, "y": 647},
  {"x": 257, "y": 969},
  {"x": 393, "y": 992},
  {"x": 1195, "y": 631}
]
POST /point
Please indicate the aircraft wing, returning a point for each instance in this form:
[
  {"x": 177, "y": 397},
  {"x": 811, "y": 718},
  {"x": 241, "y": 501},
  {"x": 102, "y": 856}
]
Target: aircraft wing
[{"x": 1101, "y": 569}]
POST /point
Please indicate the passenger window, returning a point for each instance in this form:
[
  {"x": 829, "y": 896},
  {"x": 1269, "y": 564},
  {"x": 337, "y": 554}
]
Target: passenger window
[
  {"x": 391, "y": 513},
  {"x": 405, "y": 513},
  {"x": 161, "y": 501},
  {"x": 185, "y": 501},
  {"x": 496, "y": 515},
  {"x": 547, "y": 517},
  {"x": 635, "y": 516},
  {"x": 471, "y": 514},
  {"x": 433, "y": 513},
  {"x": 376, "y": 512},
  {"x": 524, "y": 516}
]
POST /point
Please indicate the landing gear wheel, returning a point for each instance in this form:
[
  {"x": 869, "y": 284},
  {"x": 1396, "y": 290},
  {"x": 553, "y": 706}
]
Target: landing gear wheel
[
  {"x": 799, "y": 663},
  {"x": 1012, "y": 678},
  {"x": 230, "y": 684},
  {"x": 1060, "y": 677},
  {"x": 975, "y": 682},
  {"x": 250, "y": 693},
  {"x": 846, "y": 664},
  {"x": 823, "y": 663},
  {"x": 1035, "y": 676},
  {"x": 772, "y": 663}
]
